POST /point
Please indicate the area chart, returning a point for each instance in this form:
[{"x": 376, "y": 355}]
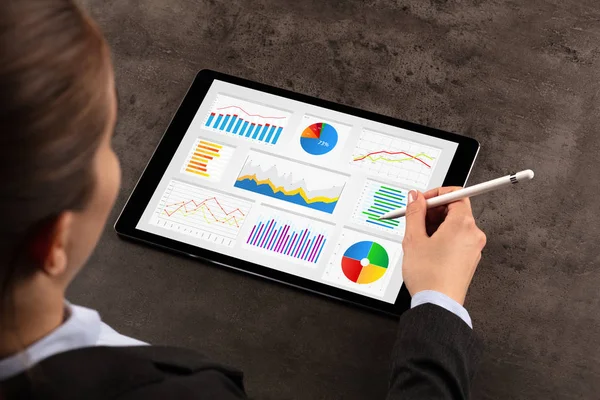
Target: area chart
[
  {"x": 207, "y": 159},
  {"x": 377, "y": 199},
  {"x": 289, "y": 236},
  {"x": 291, "y": 182},
  {"x": 394, "y": 158},
  {"x": 201, "y": 212},
  {"x": 247, "y": 120}
]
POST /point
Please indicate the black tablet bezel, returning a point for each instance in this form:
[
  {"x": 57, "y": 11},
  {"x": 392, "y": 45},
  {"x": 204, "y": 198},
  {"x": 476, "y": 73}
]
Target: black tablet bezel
[{"x": 125, "y": 226}]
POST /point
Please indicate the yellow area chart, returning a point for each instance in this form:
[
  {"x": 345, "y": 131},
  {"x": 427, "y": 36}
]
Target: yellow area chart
[
  {"x": 298, "y": 191},
  {"x": 290, "y": 181}
]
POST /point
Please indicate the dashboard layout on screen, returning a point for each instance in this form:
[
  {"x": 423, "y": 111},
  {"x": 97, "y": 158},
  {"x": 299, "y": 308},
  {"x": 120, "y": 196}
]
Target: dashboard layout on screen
[{"x": 295, "y": 187}]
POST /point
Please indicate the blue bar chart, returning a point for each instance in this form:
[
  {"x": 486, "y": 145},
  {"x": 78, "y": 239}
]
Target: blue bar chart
[
  {"x": 247, "y": 120},
  {"x": 289, "y": 236},
  {"x": 375, "y": 200}
]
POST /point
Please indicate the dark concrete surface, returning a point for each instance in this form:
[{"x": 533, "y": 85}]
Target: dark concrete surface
[{"x": 520, "y": 76}]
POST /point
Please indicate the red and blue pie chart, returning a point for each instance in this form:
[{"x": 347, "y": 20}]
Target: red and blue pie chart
[
  {"x": 365, "y": 262},
  {"x": 319, "y": 138}
]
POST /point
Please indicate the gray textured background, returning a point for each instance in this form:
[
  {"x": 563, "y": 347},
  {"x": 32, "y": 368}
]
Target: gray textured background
[{"x": 520, "y": 76}]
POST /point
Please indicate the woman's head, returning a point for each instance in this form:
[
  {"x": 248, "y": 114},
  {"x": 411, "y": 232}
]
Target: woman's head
[{"x": 58, "y": 174}]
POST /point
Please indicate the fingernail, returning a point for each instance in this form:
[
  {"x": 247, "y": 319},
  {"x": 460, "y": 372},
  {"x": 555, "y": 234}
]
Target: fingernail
[{"x": 412, "y": 196}]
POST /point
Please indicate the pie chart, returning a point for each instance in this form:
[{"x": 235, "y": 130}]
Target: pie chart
[
  {"x": 365, "y": 262},
  {"x": 319, "y": 138}
]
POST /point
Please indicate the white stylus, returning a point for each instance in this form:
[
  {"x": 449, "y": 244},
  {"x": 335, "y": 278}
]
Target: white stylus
[{"x": 470, "y": 191}]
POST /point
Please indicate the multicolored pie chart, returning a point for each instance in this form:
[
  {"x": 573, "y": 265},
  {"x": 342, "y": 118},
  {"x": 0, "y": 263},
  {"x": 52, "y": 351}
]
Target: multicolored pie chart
[
  {"x": 365, "y": 262},
  {"x": 319, "y": 138}
]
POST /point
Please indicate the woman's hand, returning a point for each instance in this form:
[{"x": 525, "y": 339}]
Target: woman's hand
[{"x": 442, "y": 246}]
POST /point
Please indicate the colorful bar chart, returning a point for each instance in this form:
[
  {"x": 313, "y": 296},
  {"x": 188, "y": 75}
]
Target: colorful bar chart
[
  {"x": 289, "y": 237},
  {"x": 207, "y": 159},
  {"x": 246, "y": 120},
  {"x": 375, "y": 200}
]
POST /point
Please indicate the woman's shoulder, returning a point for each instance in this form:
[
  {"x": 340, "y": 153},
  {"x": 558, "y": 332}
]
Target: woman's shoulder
[{"x": 139, "y": 372}]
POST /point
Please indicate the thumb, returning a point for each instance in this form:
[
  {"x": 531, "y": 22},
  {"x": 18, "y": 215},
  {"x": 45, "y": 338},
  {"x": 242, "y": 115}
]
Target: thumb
[{"x": 415, "y": 214}]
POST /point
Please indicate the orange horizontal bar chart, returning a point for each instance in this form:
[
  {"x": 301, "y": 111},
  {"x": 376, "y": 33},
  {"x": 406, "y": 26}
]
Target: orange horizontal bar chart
[
  {"x": 200, "y": 147},
  {"x": 203, "y": 165},
  {"x": 200, "y": 159},
  {"x": 217, "y": 146},
  {"x": 207, "y": 159},
  {"x": 203, "y": 155},
  {"x": 196, "y": 166},
  {"x": 197, "y": 172},
  {"x": 207, "y": 152}
]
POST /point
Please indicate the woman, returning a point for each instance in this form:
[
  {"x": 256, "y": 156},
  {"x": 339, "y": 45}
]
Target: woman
[{"x": 60, "y": 178}]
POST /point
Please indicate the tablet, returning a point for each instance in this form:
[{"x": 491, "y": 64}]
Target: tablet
[{"x": 290, "y": 187}]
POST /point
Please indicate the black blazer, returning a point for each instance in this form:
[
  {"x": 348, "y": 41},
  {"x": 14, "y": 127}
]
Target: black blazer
[{"x": 434, "y": 358}]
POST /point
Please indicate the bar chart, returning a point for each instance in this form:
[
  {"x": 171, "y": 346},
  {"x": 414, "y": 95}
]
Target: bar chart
[
  {"x": 207, "y": 159},
  {"x": 375, "y": 200},
  {"x": 289, "y": 236},
  {"x": 246, "y": 120}
]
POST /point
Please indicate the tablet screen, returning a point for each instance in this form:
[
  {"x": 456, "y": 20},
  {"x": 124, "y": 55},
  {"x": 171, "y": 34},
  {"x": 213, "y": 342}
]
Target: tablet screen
[{"x": 296, "y": 188}]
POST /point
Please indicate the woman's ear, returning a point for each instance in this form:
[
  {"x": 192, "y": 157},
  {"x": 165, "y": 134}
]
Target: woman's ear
[{"x": 51, "y": 245}]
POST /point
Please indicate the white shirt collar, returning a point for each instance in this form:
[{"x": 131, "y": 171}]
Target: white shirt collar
[{"x": 81, "y": 329}]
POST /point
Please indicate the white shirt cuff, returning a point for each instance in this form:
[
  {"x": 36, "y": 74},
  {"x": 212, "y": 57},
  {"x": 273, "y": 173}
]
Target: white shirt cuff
[{"x": 440, "y": 299}]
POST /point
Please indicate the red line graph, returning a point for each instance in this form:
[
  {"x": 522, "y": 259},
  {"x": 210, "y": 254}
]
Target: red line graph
[
  {"x": 247, "y": 113},
  {"x": 183, "y": 206},
  {"x": 391, "y": 153}
]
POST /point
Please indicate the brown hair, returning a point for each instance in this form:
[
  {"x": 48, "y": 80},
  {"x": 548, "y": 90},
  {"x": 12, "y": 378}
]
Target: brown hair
[{"x": 54, "y": 71}]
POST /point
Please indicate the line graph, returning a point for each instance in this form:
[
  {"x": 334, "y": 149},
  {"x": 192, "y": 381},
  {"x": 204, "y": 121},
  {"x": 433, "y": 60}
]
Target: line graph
[
  {"x": 247, "y": 120},
  {"x": 291, "y": 182},
  {"x": 201, "y": 212},
  {"x": 191, "y": 207},
  {"x": 381, "y": 155},
  {"x": 247, "y": 113},
  {"x": 395, "y": 158}
]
